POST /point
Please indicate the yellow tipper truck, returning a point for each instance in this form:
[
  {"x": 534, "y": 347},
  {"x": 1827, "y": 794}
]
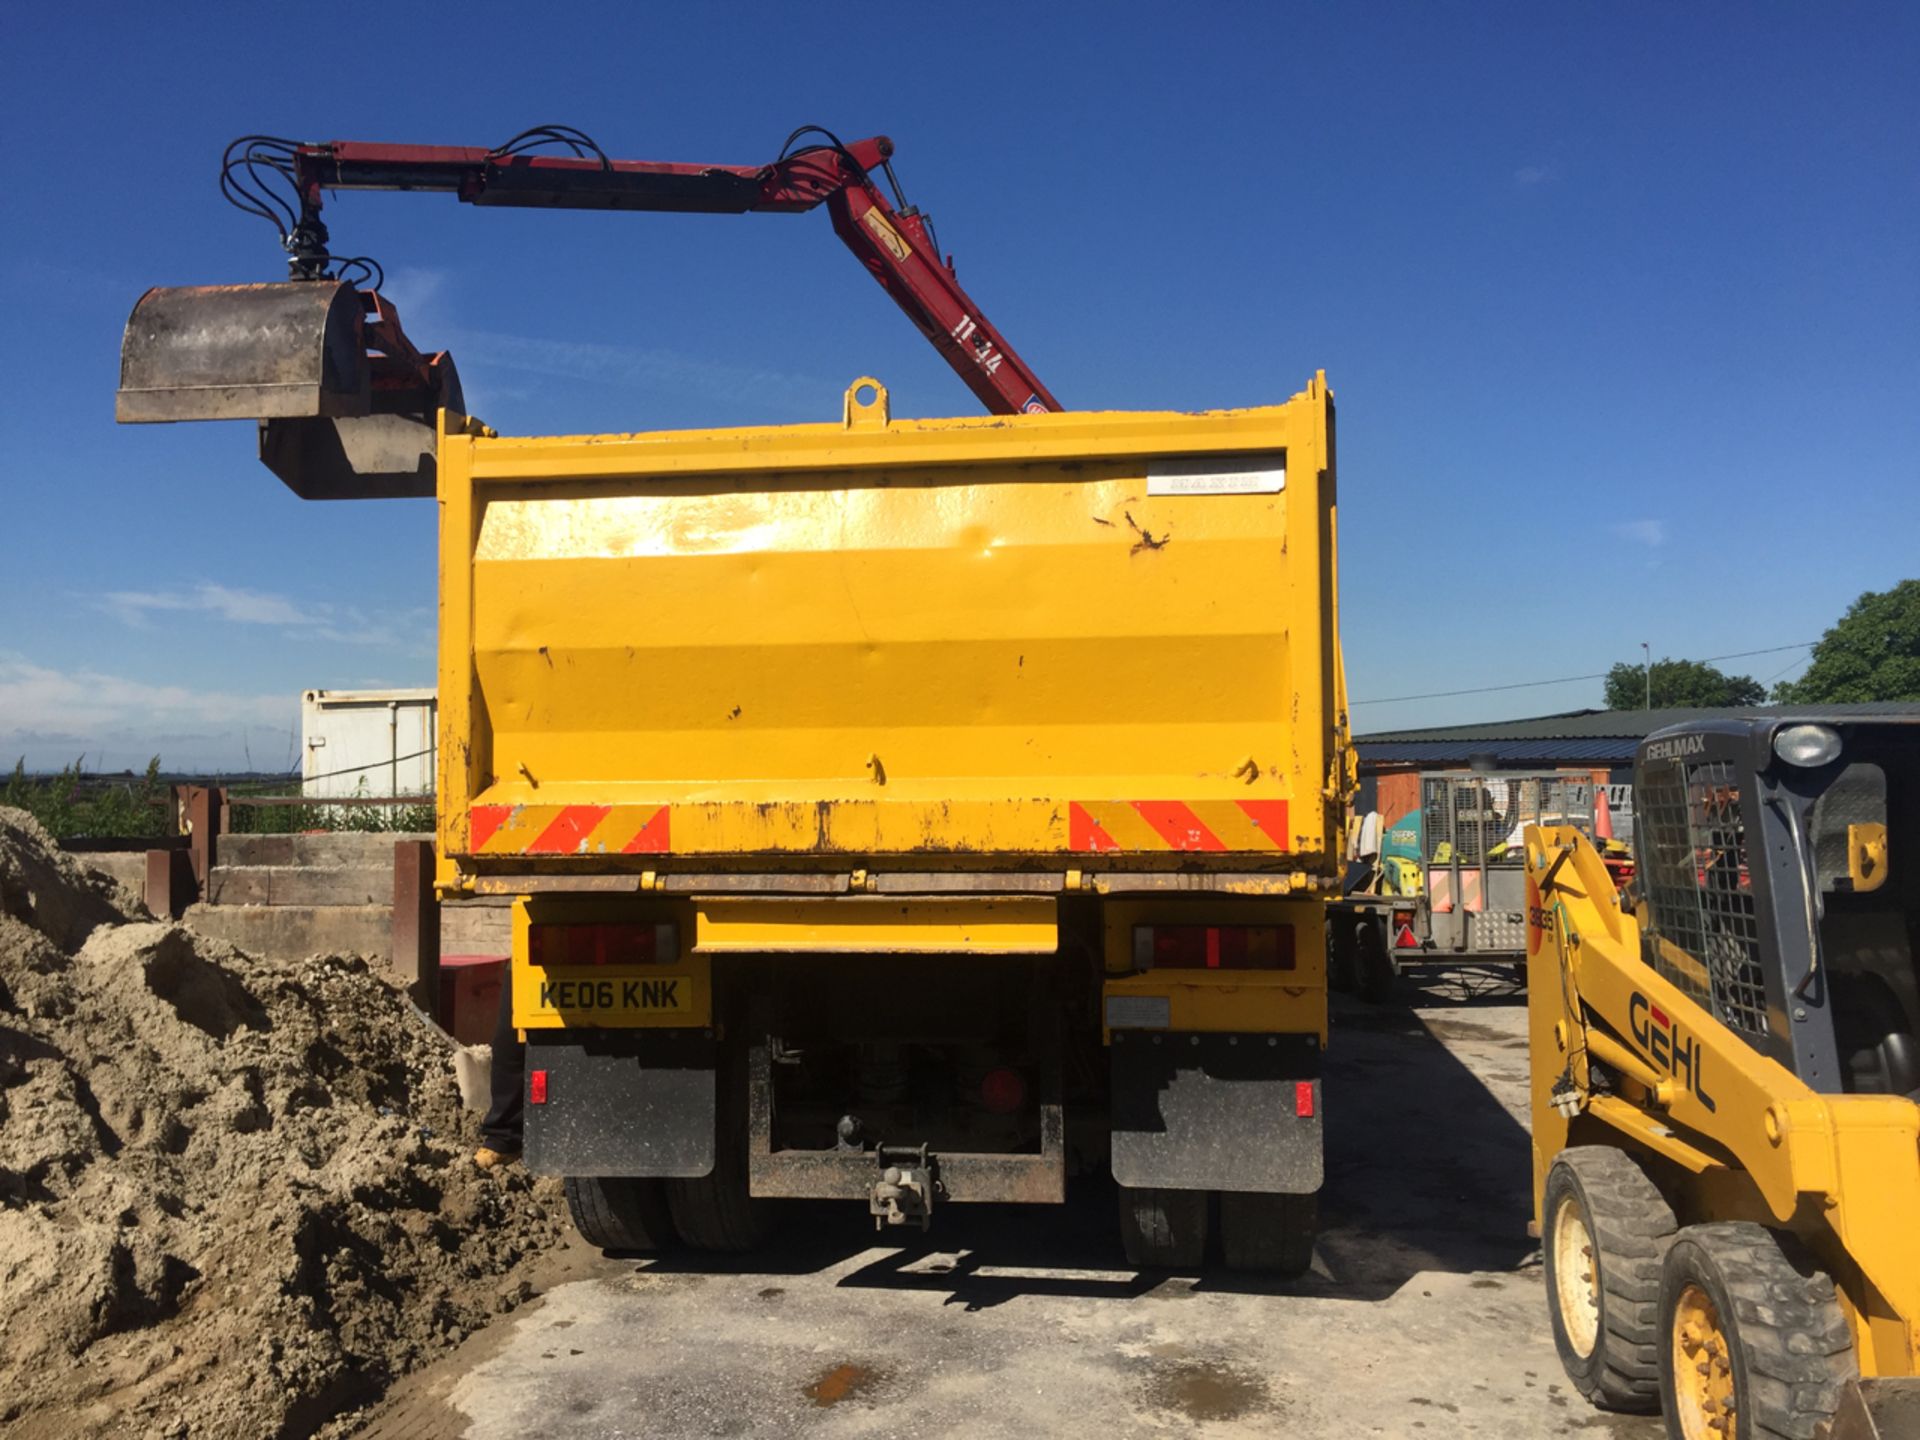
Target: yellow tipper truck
[
  {"x": 907, "y": 811},
  {"x": 902, "y": 811}
]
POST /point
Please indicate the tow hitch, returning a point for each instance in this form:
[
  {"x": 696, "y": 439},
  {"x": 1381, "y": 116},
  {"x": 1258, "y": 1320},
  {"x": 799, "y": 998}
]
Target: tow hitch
[{"x": 904, "y": 1190}]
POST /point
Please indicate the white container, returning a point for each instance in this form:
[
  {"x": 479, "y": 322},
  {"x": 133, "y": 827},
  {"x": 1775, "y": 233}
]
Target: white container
[{"x": 367, "y": 742}]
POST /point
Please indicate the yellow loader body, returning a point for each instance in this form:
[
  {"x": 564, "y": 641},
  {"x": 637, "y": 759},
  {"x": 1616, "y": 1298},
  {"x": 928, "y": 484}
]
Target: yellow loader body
[{"x": 1737, "y": 1135}]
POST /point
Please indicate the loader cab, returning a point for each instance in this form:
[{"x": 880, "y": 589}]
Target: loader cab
[{"x": 1779, "y": 864}]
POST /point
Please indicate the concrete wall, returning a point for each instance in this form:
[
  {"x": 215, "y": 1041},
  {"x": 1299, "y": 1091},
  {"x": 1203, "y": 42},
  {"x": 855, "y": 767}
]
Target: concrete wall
[
  {"x": 289, "y": 896},
  {"x": 129, "y": 867}
]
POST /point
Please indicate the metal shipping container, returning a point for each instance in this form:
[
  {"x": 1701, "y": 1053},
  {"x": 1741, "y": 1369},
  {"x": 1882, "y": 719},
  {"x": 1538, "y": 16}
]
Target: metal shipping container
[{"x": 367, "y": 742}]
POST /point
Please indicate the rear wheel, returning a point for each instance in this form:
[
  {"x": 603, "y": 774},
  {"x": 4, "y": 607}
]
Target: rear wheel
[
  {"x": 1268, "y": 1232},
  {"x": 1756, "y": 1345},
  {"x": 1607, "y": 1228},
  {"x": 717, "y": 1211},
  {"x": 1373, "y": 962},
  {"x": 617, "y": 1213},
  {"x": 1163, "y": 1229}
]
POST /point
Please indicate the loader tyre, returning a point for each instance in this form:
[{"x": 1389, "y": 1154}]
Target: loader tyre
[
  {"x": 617, "y": 1213},
  {"x": 1374, "y": 972},
  {"x": 1163, "y": 1229},
  {"x": 1268, "y": 1232},
  {"x": 1753, "y": 1337},
  {"x": 1606, "y": 1230}
]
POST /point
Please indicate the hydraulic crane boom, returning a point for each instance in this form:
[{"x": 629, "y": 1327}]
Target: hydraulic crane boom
[
  {"x": 895, "y": 244},
  {"x": 347, "y": 406}
]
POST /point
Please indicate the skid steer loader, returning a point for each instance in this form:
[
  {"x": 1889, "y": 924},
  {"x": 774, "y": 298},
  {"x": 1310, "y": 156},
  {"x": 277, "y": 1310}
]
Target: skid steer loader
[{"x": 1726, "y": 1083}]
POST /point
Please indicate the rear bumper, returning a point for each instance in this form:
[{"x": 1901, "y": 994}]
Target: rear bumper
[{"x": 1029, "y": 1179}]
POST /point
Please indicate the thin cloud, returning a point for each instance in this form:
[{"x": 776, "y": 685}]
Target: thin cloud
[
  {"x": 318, "y": 620},
  {"x": 50, "y": 716},
  {"x": 242, "y": 607},
  {"x": 631, "y": 367},
  {"x": 1651, "y": 533},
  {"x": 485, "y": 357},
  {"x": 1536, "y": 174}
]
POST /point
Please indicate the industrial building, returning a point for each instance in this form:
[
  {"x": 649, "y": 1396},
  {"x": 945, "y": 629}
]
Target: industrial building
[{"x": 1596, "y": 743}]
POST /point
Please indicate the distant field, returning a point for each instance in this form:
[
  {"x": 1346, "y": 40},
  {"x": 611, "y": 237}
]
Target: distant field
[{"x": 77, "y": 804}]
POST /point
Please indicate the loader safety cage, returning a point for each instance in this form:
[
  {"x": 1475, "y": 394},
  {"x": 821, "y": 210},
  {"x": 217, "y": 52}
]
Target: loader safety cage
[{"x": 1783, "y": 897}]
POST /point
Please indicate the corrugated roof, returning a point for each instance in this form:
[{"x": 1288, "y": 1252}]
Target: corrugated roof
[
  {"x": 1612, "y": 750},
  {"x": 1604, "y": 724},
  {"x": 1602, "y": 737}
]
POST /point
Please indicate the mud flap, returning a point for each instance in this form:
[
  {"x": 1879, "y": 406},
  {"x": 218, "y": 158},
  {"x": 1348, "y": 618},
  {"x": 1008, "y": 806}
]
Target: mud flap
[
  {"x": 1876, "y": 1410},
  {"x": 1217, "y": 1112},
  {"x": 617, "y": 1103}
]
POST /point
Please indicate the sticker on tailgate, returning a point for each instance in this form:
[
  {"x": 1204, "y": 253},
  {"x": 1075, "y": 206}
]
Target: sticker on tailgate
[{"x": 1218, "y": 475}]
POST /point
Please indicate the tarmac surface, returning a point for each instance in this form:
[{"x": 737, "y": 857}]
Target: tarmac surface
[{"x": 1424, "y": 1315}]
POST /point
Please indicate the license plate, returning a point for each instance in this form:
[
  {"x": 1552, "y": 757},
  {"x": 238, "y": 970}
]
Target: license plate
[{"x": 596, "y": 995}]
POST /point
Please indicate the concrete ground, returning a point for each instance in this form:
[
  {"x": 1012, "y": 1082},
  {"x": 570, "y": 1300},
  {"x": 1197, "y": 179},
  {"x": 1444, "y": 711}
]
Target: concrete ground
[{"x": 1424, "y": 1315}]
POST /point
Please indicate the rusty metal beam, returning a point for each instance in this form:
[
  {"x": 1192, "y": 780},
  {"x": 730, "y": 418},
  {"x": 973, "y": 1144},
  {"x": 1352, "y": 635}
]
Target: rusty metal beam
[
  {"x": 197, "y": 814},
  {"x": 169, "y": 884},
  {"x": 416, "y": 924}
]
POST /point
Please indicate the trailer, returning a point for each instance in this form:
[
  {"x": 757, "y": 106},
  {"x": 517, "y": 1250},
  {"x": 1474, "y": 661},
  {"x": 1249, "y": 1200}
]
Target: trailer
[{"x": 1462, "y": 901}]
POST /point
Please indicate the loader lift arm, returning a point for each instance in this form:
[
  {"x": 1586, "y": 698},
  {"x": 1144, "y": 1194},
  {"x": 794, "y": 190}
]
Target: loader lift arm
[{"x": 895, "y": 243}]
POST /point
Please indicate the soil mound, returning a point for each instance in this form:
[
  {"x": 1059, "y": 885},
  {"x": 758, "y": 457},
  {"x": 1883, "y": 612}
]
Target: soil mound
[{"x": 236, "y": 1197}]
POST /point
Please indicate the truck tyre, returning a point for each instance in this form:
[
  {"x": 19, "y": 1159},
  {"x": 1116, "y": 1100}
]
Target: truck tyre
[
  {"x": 1605, "y": 1230},
  {"x": 1163, "y": 1229},
  {"x": 1373, "y": 962},
  {"x": 1753, "y": 1337},
  {"x": 1267, "y": 1232},
  {"x": 717, "y": 1211},
  {"x": 1341, "y": 970},
  {"x": 617, "y": 1213}
]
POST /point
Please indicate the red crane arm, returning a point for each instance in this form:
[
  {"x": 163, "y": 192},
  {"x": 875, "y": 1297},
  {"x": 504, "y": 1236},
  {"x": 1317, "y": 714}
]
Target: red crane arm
[{"x": 895, "y": 244}]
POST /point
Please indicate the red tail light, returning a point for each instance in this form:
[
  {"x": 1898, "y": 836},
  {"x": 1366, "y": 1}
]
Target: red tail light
[
  {"x": 536, "y": 1087},
  {"x": 645, "y": 944},
  {"x": 1303, "y": 1099},
  {"x": 1003, "y": 1091},
  {"x": 1213, "y": 947}
]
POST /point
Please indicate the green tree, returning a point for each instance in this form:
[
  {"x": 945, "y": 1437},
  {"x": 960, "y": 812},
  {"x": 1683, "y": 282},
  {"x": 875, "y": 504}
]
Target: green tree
[
  {"x": 1871, "y": 654},
  {"x": 1680, "y": 683}
]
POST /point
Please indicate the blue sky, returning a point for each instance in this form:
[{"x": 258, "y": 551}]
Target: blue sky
[{"x": 1621, "y": 303}]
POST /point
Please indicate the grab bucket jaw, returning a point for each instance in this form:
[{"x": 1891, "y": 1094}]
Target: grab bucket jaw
[
  {"x": 347, "y": 408},
  {"x": 244, "y": 352}
]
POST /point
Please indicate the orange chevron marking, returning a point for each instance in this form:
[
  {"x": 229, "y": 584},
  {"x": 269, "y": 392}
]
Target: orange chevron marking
[{"x": 1200, "y": 826}]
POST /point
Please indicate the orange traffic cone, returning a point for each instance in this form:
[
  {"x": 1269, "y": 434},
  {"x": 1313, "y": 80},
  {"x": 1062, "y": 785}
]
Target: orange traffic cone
[{"x": 1602, "y": 814}]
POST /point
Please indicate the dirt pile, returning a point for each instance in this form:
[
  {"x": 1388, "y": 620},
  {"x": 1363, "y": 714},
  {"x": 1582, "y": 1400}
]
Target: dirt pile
[{"x": 235, "y": 1195}]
